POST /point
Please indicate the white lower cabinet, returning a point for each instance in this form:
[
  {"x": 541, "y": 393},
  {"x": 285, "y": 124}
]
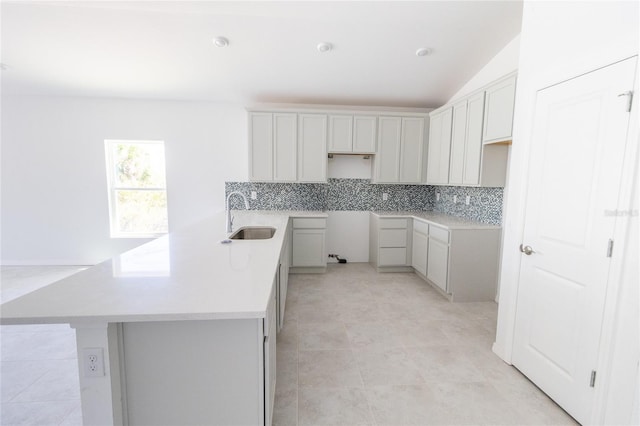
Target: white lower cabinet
[
  {"x": 420, "y": 246},
  {"x": 308, "y": 245},
  {"x": 389, "y": 243},
  {"x": 270, "y": 356},
  {"x": 438, "y": 262},
  {"x": 283, "y": 277}
]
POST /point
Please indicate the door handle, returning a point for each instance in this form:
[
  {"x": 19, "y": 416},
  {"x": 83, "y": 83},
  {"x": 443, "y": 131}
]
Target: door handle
[{"x": 526, "y": 250}]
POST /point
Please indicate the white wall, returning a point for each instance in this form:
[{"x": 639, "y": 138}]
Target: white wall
[
  {"x": 54, "y": 193},
  {"x": 559, "y": 40},
  {"x": 503, "y": 63}
]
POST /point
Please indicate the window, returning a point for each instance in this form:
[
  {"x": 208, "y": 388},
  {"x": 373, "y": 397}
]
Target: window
[{"x": 137, "y": 188}]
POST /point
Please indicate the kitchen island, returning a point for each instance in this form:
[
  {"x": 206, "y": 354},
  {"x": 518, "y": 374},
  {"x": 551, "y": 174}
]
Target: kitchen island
[{"x": 180, "y": 330}]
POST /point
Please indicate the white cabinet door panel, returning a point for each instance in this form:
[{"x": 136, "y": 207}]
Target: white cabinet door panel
[
  {"x": 498, "y": 107},
  {"x": 438, "y": 263},
  {"x": 392, "y": 256},
  {"x": 473, "y": 145},
  {"x": 458, "y": 142},
  {"x": 308, "y": 248},
  {"x": 439, "y": 148},
  {"x": 412, "y": 149},
  {"x": 312, "y": 148},
  {"x": 419, "y": 252},
  {"x": 393, "y": 238},
  {"x": 284, "y": 147},
  {"x": 340, "y": 133},
  {"x": 388, "y": 157},
  {"x": 260, "y": 146},
  {"x": 364, "y": 134}
]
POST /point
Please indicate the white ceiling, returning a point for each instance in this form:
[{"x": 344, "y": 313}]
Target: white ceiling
[{"x": 164, "y": 50}]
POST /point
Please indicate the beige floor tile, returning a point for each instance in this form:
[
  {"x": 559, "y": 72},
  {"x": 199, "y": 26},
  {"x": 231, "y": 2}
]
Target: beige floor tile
[
  {"x": 379, "y": 334},
  {"x": 334, "y": 406},
  {"x": 387, "y": 367},
  {"x": 334, "y": 368},
  {"x": 404, "y": 405},
  {"x": 445, "y": 364},
  {"x": 36, "y": 413},
  {"x": 323, "y": 335}
]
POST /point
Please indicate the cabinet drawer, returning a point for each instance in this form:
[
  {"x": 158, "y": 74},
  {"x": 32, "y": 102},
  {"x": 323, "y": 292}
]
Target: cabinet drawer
[
  {"x": 310, "y": 223},
  {"x": 393, "y": 238},
  {"x": 392, "y": 257},
  {"x": 439, "y": 234},
  {"x": 393, "y": 223},
  {"x": 421, "y": 227}
]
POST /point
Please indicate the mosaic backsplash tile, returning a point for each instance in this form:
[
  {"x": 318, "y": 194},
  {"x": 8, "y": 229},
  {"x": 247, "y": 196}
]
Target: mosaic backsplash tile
[
  {"x": 360, "y": 195},
  {"x": 485, "y": 204}
]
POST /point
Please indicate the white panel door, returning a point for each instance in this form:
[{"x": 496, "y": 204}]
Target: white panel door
[
  {"x": 439, "y": 148},
  {"x": 312, "y": 148},
  {"x": 411, "y": 150},
  {"x": 458, "y": 141},
  {"x": 284, "y": 147},
  {"x": 364, "y": 134},
  {"x": 575, "y": 162},
  {"x": 387, "y": 160},
  {"x": 260, "y": 146},
  {"x": 473, "y": 145}
]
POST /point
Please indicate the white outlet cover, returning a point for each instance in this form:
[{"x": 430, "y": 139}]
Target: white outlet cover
[
  {"x": 437, "y": 196},
  {"x": 93, "y": 362},
  {"x": 385, "y": 196},
  {"x": 467, "y": 200},
  {"x": 455, "y": 199},
  {"x": 254, "y": 195}
]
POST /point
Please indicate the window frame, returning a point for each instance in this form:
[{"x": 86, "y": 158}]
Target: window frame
[{"x": 113, "y": 188}]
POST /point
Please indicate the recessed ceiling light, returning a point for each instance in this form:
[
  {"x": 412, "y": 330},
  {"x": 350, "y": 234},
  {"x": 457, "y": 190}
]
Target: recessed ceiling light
[
  {"x": 423, "y": 51},
  {"x": 220, "y": 42},
  {"x": 324, "y": 47}
]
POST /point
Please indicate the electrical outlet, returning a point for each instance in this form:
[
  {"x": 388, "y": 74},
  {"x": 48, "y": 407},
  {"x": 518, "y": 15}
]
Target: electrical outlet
[
  {"x": 437, "y": 196},
  {"x": 385, "y": 196},
  {"x": 254, "y": 195},
  {"x": 467, "y": 200},
  {"x": 455, "y": 199},
  {"x": 93, "y": 362}
]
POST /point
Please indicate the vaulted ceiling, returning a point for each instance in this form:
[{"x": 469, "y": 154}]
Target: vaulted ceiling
[{"x": 164, "y": 49}]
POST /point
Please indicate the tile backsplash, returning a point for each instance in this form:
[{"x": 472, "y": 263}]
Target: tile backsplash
[{"x": 360, "y": 195}]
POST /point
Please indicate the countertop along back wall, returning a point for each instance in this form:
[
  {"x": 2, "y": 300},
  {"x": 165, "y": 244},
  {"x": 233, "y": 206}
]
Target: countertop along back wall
[{"x": 54, "y": 196}]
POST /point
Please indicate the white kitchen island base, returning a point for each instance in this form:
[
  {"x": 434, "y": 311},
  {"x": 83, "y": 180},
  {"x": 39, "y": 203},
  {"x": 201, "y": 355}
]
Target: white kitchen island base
[{"x": 178, "y": 373}]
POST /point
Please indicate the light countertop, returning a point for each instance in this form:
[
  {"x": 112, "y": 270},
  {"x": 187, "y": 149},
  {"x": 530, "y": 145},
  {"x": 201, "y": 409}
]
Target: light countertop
[
  {"x": 185, "y": 275},
  {"x": 439, "y": 219}
]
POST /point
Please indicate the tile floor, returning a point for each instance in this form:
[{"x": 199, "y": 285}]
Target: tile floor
[
  {"x": 357, "y": 348},
  {"x": 38, "y": 364},
  {"x": 362, "y": 348}
]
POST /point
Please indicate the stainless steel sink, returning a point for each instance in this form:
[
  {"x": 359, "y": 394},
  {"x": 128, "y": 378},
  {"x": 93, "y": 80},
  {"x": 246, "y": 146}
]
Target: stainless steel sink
[{"x": 253, "y": 233}]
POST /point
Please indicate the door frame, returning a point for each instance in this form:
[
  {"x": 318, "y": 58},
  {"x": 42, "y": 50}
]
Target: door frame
[{"x": 513, "y": 232}]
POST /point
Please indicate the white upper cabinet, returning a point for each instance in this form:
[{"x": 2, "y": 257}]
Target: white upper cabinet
[
  {"x": 499, "y": 104},
  {"x": 458, "y": 142},
  {"x": 412, "y": 150},
  {"x": 473, "y": 143},
  {"x": 387, "y": 161},
  {"x": 466, "y": 141},
  {"x": 312, "y": 147},
  {"x": 284, "y": 147},
  {"x": 439, "y": 147},
  {"x": 341, "y": 133},
  {"x": 260, "y": 146},
  {"x": 272, "y": 147},
  {"x": 364, "y": 134},
  {"x": 352, "y": 134},
  {"x": 400, "y": 155}
]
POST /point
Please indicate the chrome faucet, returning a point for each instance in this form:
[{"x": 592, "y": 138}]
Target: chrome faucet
[{"x": 228, "y": 207}]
